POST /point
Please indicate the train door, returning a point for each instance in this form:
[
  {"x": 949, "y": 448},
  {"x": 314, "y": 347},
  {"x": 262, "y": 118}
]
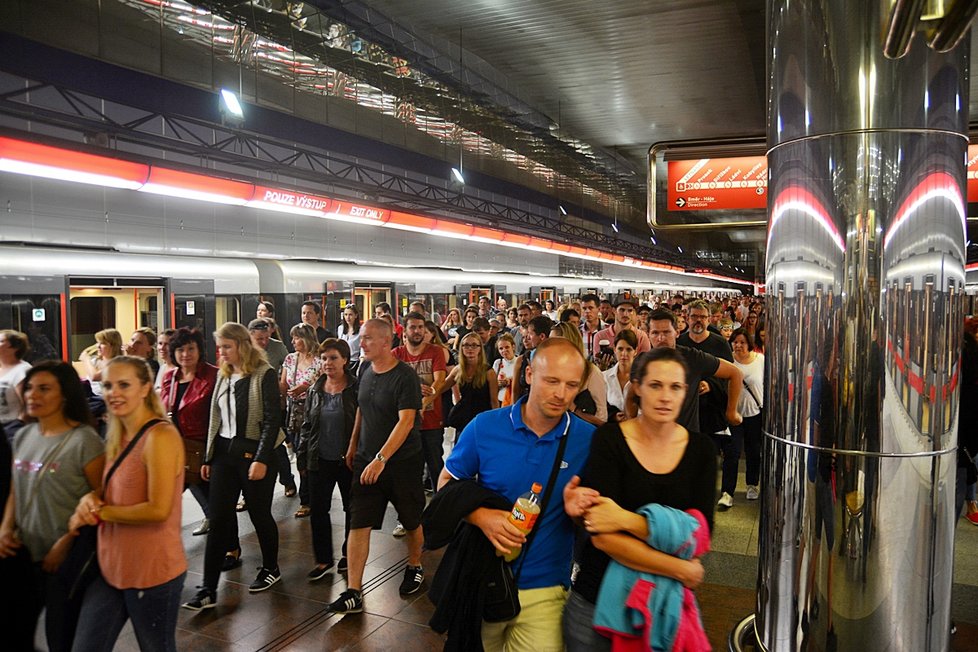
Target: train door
[
  {"x": 477, "y": 291},
  {"x": 368, "y": 294},
  {"x": 193, "y": 304},
  {"x": 123, "y": 304}
]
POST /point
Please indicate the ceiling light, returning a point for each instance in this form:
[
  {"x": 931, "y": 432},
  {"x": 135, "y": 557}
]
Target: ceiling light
[
  {"x": 653, "y": 241},
  {"x": 680, "y": 249},
  {"x": 230, "y": 104},
  {"x": 615, "y": 226},
  {"x": 458, "y": 175},
  {"x": 563, "y": 211}
]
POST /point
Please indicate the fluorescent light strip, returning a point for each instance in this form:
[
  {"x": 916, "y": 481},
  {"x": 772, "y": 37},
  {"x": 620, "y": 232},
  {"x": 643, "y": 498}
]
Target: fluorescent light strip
[{"x": 62, "y": 174}]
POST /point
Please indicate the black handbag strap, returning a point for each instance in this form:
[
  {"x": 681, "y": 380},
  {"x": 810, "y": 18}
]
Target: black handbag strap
[
  {"x": 132, "y": 444},
  {"x": 554, "y": 470}
]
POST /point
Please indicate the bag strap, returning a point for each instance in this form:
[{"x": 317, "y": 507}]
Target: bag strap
[
  {"x": 751, "y": 392},
  {"x": 132, "y": 444},
  {"x": 554, "y": 470}
]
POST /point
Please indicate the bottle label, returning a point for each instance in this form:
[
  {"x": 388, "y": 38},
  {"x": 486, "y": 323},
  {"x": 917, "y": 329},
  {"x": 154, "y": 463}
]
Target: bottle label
[{"x": 523, "y": 520}]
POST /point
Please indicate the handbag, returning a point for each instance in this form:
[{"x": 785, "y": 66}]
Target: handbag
[
  {"x": 194, "y": 450},
  {"x": 80, "y": 567},
  {"x": 296, "y": 415},
  {"x": 502, "y": 597}
]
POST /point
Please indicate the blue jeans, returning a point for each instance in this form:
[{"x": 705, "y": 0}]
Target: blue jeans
[
  {"x": 579, "y": 634},
  {"x": 153, "y": 613}
]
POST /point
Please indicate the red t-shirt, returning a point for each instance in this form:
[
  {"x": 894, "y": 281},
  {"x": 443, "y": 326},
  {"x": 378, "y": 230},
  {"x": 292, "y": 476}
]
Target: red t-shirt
[{"x": 429, "y": 361}]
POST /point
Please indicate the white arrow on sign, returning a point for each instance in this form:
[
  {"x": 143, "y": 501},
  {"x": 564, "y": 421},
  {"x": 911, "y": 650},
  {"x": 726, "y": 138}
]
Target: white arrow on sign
[{"x": 680, "y": 202}]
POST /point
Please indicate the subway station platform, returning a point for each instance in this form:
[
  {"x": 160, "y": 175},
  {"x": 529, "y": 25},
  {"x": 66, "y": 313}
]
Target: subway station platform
[{"x": 292, "y": 614}]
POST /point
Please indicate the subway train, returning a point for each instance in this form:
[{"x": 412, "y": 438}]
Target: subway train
[{"x": 62, "y": 296}]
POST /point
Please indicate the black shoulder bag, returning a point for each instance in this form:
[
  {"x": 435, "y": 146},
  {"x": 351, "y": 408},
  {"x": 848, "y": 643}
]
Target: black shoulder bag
[
  {"x": 502, "y": 600},
  {"x": 80, "y": 567}
]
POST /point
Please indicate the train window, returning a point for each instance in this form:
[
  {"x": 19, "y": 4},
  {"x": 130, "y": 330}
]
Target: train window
[
  {"x": 226, "y": 308},
  {"x": 38, "y": 317}
]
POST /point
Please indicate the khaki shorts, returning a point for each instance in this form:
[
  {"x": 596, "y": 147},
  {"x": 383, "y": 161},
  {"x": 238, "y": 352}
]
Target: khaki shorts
[{"x": 536, "y": 629}]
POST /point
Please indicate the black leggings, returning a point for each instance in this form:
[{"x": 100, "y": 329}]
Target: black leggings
[{"x": 229, "y": 478}]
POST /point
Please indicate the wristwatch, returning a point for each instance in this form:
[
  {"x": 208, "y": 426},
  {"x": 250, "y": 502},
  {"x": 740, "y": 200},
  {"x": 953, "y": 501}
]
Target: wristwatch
[{"x": 380, "y": 458}]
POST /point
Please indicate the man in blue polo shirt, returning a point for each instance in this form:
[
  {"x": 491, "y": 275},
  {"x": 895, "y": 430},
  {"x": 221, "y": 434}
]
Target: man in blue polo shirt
[{"x": 508, "y": 450}]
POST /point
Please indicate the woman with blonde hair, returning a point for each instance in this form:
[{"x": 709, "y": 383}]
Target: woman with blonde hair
[
  {"x": 591, "y": 403},
  {"x": 138, "y": 509},
  {"x": 473, "y": 382},
  {"x": 505, "y": 368},
  {"x": 240, "y": 458},
  {"x": 108, "y": 345}
]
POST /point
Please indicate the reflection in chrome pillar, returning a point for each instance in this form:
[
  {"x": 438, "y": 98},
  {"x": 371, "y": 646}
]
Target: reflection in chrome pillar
[{"x": 865, "y": 264}]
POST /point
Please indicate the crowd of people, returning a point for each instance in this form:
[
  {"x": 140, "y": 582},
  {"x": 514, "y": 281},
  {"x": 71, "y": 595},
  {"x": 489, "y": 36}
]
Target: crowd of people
[{"x": 633, "y": 399}]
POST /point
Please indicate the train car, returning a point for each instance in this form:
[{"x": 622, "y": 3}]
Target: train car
[{"x": 62, "y": 296}]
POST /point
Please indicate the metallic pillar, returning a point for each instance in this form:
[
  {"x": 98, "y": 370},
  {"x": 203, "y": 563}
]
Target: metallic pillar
[{"x": 865, "y": 265}]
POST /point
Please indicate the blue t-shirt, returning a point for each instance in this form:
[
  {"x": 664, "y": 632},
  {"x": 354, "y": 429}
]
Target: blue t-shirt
[{"x": 505, "y": 456}]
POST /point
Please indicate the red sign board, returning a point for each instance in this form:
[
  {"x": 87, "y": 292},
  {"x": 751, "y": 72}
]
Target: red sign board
[
  {"x": 363, "y": 212},
  {"x": 717, "y": 184},
  {"x": 972, "y": 173},
  {"x": 286, "y": 200}
]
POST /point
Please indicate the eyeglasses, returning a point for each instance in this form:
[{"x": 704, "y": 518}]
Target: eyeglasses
[{"x": 471, "y": 346}]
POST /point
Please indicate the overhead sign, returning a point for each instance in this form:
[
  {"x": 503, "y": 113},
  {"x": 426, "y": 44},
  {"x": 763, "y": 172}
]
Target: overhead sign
[
  {"x": 288, "y": 201},
  {"x": 363, "y": 212},
  {"x": 708, "y": 184}
]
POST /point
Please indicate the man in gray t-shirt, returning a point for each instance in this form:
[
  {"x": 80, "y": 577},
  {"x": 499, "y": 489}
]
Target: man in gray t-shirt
[
  {"x": 46, "y": 499},
  {"x": 386, "y": 460}
]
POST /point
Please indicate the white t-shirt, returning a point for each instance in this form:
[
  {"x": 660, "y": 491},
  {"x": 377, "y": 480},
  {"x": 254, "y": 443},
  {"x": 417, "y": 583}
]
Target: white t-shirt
[
  {"x": 754, "y": 381},
  {"x": 10, "y": 403}
]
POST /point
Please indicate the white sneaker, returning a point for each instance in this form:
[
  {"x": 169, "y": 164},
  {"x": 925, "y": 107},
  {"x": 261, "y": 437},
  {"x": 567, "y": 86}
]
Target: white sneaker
[
  {"x": 753, "y": 493},
  {"x": 725, "y": 502},
  {"x": 399, "y": 530}
]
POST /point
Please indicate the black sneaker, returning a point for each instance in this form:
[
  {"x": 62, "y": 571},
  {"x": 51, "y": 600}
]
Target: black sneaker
[
  {"x": 413, "y": 577},
  {"x": 205, "y": 599},
  {"x": 342, "y": 566},
  {"x": 319, "y": 572},
  {"x": 266, "y": 578},
  {"x": 349, "y": 602}
]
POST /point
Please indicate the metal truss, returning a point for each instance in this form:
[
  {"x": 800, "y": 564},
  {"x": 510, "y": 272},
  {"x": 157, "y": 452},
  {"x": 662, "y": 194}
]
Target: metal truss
[{"x": 228, "y": 150}]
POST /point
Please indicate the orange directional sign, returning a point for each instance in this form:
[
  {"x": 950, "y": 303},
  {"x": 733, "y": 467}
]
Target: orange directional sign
[{"x": 717, "y": 184}]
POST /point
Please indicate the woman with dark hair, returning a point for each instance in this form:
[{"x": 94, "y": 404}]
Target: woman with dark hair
[
  {"x": 331, "y": 411},
  {"x": 747, "y": 434},
  {"x": 645, "y": 460},
  {"x": 617, "y": 377},
  {"x": 186, "y": 392},
  {"x": 57, "y": 460},
  {"x": 14, "y": 345},
  {"x": 240, "y": 458},
  {"x": 350, "y": 331},
  {"x": 266, "y": 310},
  {"x": 138, "y": 511},
  {"x": 299, "y": 371},
  {"x": 760, "y": 337}
]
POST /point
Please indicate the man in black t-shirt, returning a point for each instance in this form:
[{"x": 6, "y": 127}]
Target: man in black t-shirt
[
  {"x": 385, "y": 457},
  {"x": 713, "y": 392},
  {"x": 662, "y": 332}
]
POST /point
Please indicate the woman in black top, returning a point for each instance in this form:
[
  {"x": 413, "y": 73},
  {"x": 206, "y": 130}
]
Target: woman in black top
[
  {"x": 331, "y": 410},
  {"x": 648, "y": 459}
]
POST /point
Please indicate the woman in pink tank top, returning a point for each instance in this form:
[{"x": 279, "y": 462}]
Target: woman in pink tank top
[{"x": 140, "y": 552}]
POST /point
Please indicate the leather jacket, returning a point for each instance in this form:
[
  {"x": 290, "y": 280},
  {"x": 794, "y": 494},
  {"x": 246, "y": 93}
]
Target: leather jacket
[
  {"x": 195, "y": 405},
  {"x": 307, "y": 453},
  {"x": 268, "y": 425}
]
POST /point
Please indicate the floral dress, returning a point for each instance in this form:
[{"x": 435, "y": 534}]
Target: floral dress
[{"x": 295, "y": 376}]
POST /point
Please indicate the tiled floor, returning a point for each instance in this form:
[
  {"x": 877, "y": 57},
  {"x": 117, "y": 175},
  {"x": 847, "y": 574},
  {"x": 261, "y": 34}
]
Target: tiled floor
[{"x": 291, "y": 616}]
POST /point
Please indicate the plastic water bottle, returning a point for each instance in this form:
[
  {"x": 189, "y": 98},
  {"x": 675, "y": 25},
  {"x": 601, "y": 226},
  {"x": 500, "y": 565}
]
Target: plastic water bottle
[{"x": 524, "y": 516}]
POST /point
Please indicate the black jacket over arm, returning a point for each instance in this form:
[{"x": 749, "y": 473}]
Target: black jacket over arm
[{"x": 458, "y": 588}]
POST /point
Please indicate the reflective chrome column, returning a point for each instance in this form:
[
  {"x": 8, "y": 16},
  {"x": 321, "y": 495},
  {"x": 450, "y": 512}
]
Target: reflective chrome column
[{"x": 865, "y": 262}]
